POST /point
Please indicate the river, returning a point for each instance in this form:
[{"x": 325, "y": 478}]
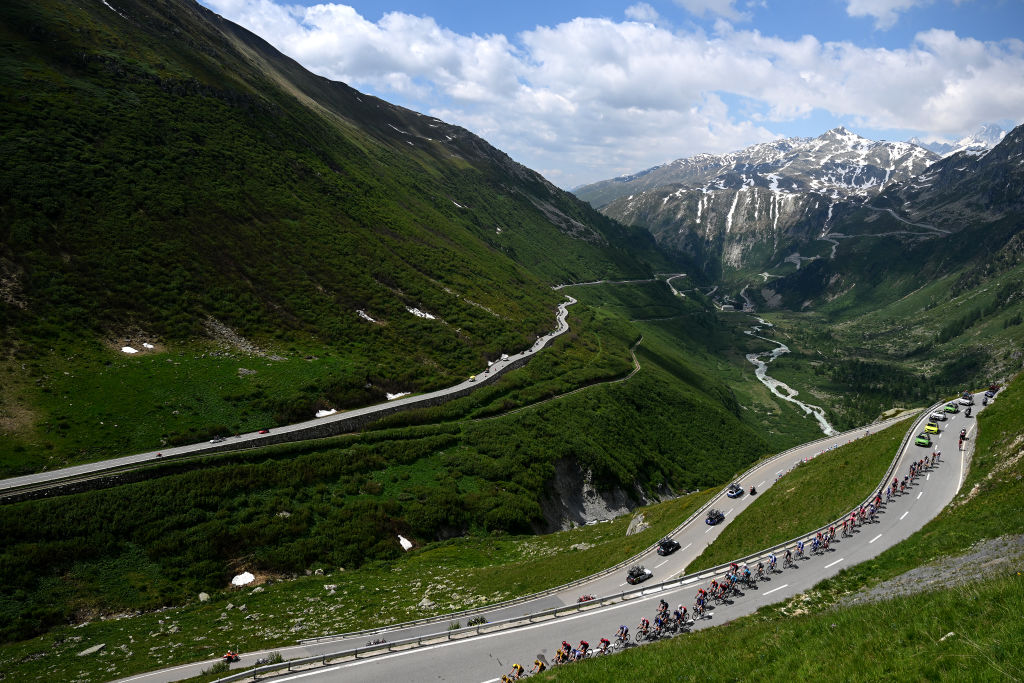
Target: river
[{"x": 781, "y": 389}]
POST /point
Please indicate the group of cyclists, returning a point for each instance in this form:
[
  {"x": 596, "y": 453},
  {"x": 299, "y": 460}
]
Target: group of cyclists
[{"x": 680, "y": 619}]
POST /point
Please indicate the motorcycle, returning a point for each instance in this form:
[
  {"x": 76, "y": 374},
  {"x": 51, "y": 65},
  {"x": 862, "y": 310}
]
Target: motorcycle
[
  {"x": 753, "y": 491},
  {"x": 230, "y": 657},
  {"x": 586, "y": 598},
  {"x": 967, "y": 413},
  {"x": 375, "y": 641}
]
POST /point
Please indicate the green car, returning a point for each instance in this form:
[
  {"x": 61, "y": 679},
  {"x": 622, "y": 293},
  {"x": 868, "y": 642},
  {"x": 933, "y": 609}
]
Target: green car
[
  {"x": 952, "y": 408},
  {"x": 923, "y": 440}
]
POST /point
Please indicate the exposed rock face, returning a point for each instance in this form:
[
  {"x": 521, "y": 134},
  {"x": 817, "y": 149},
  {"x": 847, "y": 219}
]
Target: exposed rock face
[{"x": 575, "y": 501}]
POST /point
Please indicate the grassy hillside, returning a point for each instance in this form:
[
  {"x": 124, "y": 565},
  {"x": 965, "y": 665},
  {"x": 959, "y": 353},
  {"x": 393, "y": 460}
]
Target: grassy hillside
[
  {"x": 924, "y": 635},
  {"x": 171, "y": 179},
  {"x": 483, "y": 464}
]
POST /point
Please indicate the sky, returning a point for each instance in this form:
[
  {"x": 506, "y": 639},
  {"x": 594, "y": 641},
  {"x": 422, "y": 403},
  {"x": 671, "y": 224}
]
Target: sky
[{"x": 584, "y": 91}]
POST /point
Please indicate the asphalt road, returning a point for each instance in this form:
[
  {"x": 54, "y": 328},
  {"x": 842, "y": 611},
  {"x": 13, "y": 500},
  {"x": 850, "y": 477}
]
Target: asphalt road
[
  {"x": 255, "y": 440},
  {"x": 487, "y": 657},
  {"x": 693, "y": 539}
]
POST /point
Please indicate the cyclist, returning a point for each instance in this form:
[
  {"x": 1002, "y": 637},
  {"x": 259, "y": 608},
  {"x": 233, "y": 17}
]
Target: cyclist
[
  {"x": 789, "y": 558},
  {"x": 832, "y": 532},
  {"x": 746, "y": 574},
  {"x": 799, "y": 548},
  {"x": 584, "y": 649},
  {"x": 846, "y": 527},
  {"x": 623, "y": 634},
  {"x": 644, "y": 626},
  {"x": 604, "y": 645},
  {"x": 662, "y": 606},
  {"x": 771, "y": 562},
  {"x": 683, "y": 612},
  {"x": 517, "y": 671}
]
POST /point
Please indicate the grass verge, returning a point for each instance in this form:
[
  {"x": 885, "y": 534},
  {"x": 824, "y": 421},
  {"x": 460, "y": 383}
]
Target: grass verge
[{"x": 813, "y": 494}]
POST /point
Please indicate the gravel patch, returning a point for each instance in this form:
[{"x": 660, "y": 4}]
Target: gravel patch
[{"x": 986, "y": 559}]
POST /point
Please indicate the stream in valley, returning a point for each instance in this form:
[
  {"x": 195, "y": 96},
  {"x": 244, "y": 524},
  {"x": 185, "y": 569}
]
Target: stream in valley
[{"x": 781, "y": 389}]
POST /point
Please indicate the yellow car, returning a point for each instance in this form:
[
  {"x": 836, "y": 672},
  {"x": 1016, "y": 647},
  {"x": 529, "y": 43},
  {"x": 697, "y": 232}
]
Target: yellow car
[{"x": 931, "y": 428}]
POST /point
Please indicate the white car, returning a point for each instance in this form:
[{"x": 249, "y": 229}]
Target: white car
[
  {"x": 964, "y": 401},
  {"x": 937, "y": 416}
]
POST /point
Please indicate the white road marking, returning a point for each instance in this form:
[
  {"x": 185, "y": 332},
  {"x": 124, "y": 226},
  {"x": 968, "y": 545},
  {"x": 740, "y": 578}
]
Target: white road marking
[
  {"x": 658, "y": 565},
  {"x": 687, "y": 546},
  {"x": 875, "y": 538},
  {"x": 761, "y": 484},
  {"x": 710, "y": 528},
  {"x": 775, "y": 589},
  {"x": 919, "y": 494},
  {"x": 622, "y": 584},
  {"x": 729, "y": 512},
  {"x": 928, "y": 476},
  {"x": 834, "y": 563},
  {"x": 904, "y": 514}
]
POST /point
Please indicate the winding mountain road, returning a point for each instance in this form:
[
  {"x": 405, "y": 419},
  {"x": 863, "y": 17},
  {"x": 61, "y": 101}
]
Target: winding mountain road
[
  {"x": 693, "y": 538},
  {"x": 486, "y": 657},
  {"x": 287, "y": 433}
]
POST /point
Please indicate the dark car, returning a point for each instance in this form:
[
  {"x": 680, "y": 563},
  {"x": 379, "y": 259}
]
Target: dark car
[
  {"x": 989, "y": 393},
  {"x": 667, "y": 546},
  {"x": 714, "y": 517},
  {"x": 638, "y": 573},
  {"x": 735, "y": 491}
]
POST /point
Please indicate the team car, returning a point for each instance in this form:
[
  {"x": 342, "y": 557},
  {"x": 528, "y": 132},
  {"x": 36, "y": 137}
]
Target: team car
[
  {"x": 667, "y": 546},
  {"x": 735, "y": 491},
  {"x": 923, "y": 439},
  {"x": 937, "y": 417},
  {"x": 931, "y": 428},
  {"x": 990, "y": 393},
  {"x": 714, "y": 517},
  {"x": 952, "y": 408},
  {"x": 638, "y": 573}
]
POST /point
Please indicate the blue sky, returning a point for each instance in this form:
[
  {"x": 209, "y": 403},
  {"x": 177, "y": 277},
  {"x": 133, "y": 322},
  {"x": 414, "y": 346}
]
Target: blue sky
[{"x": 583, "y": 91}]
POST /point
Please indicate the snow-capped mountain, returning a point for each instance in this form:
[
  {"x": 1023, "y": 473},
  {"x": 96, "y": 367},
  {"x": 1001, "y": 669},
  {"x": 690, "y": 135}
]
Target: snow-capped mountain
[
  {"x": 732, "y": 210},
  {"x": 837, "y": 164},
  {"x": 982, "y": 140}
]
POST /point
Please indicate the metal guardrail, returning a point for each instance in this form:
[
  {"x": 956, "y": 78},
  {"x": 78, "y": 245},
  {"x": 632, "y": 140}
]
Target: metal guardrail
[
  {"x": 554, "y": 613},
  {"x": 610, "y": 570}
]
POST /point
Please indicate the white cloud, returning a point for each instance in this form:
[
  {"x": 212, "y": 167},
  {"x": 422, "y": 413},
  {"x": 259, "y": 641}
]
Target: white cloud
[
  {"x": 723, "y": 8},
  {"x": 592, "y": 98},
  {"x": 885, "y": 12},
  {"x": 642, "y": 12}
]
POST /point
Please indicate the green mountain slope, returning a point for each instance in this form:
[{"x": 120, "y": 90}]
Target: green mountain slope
[{"x": 170, "y": 178}]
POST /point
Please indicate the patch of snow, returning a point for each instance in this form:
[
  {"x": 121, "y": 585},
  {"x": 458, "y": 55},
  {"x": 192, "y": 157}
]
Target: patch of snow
[
  {"x": 457, "y": 204},
  {"x": 497, "y": 230},
  {"x": 421, "y": 314},
  {"x": 128, "y": 349},
  {"x": 365, "y": 316},
  {"x": 325, "y": 413},
  {"x": 243, "y": 579},
  {"x": 404, "y": 542},
  {"x": 115, "y": 11},
  {"x": 147, "y": 345},
  {"x": 392, "y": 397},
  {"x": 732, "y": 209}
]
